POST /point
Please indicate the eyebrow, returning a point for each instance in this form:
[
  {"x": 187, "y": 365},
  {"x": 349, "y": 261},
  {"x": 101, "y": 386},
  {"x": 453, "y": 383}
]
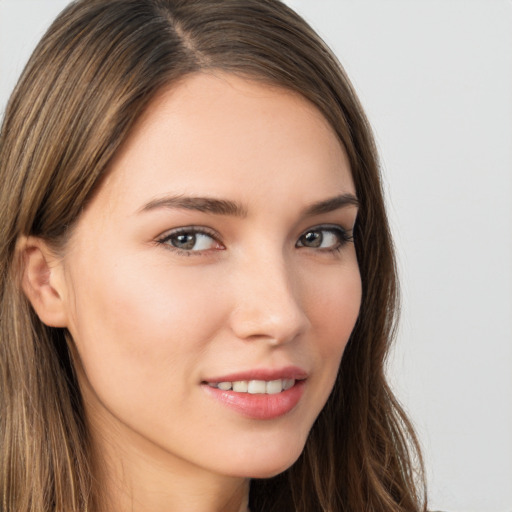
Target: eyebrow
[
  {"x": 235, "y": 209},
  {"x": 331, "y": 204},
  {"x": 200, "y": 204}
]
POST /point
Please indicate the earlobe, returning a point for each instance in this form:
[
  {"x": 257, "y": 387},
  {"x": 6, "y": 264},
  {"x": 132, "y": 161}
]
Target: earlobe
[{"x": 42, "y": 281}]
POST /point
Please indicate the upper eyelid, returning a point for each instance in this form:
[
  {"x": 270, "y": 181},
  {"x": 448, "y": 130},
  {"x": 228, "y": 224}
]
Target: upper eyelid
[
  {"x": 189, "y": 229},
  {"x": 344, "y": 235},
  {"x": 166, "y": 235},
  {"x": 328, "y": 227},
  {"x": 164, "y": 238},
  {"x": 209, "y": 231}
]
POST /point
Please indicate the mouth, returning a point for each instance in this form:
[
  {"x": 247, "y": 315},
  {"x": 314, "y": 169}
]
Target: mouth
[
  {"x": 255, "y": 387},
  {"x": 260, "y": 394}
]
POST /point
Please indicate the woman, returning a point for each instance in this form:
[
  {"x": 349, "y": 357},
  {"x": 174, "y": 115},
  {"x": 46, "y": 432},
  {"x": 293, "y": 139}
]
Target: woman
[{"x": 198, "y": 284}]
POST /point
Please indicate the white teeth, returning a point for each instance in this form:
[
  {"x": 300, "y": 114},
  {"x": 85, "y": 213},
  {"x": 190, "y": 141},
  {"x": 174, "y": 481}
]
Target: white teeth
[
  {"x": 274, "y": 387},
  {"x": 256, "y": 387},
  {"x": 240, "y": 386},
  {"x": 288, "y": 383}
]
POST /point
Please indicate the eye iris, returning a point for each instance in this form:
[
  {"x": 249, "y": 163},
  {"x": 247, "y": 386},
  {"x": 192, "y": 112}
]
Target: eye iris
[
  {"x": 184, "y": 241},
  {"x": 313, "y": 239}
]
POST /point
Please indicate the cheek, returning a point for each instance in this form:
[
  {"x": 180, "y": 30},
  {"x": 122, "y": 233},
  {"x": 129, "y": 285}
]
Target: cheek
[
  {"x": 335, "y": 308},
  {"x": 141, "y": 329}
]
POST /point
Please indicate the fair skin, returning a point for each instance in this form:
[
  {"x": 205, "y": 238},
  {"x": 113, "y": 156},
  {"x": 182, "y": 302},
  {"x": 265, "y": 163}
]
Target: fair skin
[{"x": 264, "y": 286}]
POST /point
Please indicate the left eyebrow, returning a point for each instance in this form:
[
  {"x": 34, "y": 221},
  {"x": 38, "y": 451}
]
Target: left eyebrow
[
  {"x": 232, "y": 208},
  {"x": 331, "y": 204},
  {"x": 201, "y": 204}
]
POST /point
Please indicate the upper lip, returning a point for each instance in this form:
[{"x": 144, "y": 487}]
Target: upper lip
[{"x": 287, "y": 372}]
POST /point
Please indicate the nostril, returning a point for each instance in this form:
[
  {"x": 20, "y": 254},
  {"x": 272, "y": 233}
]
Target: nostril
[
  {"x": 269, "y": 305},
  {"x": 275, "y": 327}
]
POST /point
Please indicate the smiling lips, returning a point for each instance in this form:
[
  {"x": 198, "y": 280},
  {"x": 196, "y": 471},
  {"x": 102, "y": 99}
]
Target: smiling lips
[
  {"x": 261, "y": 395},
  {"x": 253, "y": 387}
]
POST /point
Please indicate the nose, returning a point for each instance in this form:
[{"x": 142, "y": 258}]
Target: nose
[{"x": 268, "y": 304}]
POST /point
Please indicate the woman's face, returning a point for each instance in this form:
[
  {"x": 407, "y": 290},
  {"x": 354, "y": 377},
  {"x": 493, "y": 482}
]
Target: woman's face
[{"x": 211, "y": 284}]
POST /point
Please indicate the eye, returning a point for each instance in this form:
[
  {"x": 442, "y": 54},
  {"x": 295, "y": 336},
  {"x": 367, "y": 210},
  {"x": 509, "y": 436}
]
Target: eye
[
  {"x": 327, "y": 238},
  {"x": 190, "y": 240}
]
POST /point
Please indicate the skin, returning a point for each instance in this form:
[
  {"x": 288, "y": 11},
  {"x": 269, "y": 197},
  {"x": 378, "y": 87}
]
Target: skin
[{"x": 152, "y": 323}]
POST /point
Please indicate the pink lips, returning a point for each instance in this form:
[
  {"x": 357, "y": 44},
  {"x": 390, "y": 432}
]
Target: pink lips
[{"x": 260, "y": 406}]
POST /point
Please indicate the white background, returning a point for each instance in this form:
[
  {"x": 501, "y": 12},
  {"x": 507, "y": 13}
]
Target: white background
[{"x": 435, "y": 77}]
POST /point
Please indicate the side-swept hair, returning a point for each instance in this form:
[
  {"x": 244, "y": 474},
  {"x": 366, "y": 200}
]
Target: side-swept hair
[{"x": 92, "y": 75}]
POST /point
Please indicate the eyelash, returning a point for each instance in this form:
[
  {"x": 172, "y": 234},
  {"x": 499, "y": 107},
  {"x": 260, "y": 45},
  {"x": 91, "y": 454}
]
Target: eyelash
[
  {"x": 190, "y": 230},
  {"x": 344, "y": 237}
]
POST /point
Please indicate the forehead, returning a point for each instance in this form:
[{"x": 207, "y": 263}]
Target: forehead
[{"x": 228, "y": 136}]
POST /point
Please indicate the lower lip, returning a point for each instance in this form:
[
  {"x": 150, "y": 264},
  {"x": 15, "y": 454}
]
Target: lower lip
[{"x": 259, "y": 406}]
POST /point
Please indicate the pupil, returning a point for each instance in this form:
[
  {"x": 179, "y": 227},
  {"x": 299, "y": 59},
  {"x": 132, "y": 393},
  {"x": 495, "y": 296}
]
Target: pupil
[
  {"x": 185, "y": 241},
  {"x": 313, "y": 239}
]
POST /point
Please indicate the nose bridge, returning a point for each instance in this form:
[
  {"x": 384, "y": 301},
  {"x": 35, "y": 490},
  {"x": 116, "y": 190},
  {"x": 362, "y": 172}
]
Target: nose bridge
[{"x": 268, "y": 302}]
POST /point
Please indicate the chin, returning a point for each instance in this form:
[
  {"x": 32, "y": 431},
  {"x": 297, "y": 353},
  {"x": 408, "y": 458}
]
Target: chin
[
  {"x": 268, "y": 463},
  {"x": 269, "y": 471}
]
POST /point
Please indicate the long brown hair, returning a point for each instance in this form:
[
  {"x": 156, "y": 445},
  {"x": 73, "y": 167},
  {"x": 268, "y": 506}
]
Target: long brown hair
[{"x": 88, "y": 81}]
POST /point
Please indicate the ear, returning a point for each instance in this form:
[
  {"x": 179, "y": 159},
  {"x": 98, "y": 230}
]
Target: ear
[{"x": 43, "y": 281}]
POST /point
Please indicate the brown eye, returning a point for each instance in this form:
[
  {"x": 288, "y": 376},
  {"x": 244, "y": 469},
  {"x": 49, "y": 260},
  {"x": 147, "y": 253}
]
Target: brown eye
[
  {"x": 186, "y": 242},
  {"x": 190, "y": 240},
  {"x": 312, "y": 239},
  {"x": 331, "y": 238}
]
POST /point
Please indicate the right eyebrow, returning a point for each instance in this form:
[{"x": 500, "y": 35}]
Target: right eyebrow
[
  {"x": 200, "y": 204},
  {"x": 331, "y": 204}
]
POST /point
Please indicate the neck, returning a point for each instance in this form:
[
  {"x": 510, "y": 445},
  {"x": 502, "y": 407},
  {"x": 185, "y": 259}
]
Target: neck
[
  {"x": 139, "y": 478},
  {"x": 192, "y": 499}
]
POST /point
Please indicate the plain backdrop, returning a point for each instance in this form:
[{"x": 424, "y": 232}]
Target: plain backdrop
[{"x": 435, "y": 77}]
